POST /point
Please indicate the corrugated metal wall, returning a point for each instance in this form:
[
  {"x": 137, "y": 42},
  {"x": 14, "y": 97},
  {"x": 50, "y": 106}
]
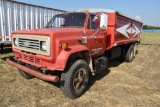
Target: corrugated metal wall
[{"x": 19, "y": 16}]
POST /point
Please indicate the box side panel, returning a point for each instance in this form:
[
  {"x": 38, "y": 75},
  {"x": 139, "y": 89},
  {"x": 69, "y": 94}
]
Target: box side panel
[{"x": 127, "y": 30}]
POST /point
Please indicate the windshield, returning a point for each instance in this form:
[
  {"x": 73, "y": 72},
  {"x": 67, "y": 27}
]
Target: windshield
[{"x": 68, "y": 20}]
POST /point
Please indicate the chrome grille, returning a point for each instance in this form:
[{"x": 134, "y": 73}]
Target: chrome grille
[{"x": 29, "y": 43}]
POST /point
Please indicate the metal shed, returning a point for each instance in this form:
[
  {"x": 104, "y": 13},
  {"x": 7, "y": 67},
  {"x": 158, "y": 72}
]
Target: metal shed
[{"x": 20, "y": 16}]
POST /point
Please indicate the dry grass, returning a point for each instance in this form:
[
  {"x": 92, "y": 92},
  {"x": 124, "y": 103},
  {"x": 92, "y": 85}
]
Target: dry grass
[{"x": 123, "y": 85}]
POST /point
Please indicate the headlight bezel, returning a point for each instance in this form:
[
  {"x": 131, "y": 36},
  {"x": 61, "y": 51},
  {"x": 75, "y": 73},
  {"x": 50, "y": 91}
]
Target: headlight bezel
[
  {"x": 43, "y": 45},
  {"x": 15, "y": 41}
]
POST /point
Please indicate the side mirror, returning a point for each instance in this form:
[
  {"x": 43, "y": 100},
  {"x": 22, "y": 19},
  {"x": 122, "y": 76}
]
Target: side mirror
[{"x": 103, "y": 21}]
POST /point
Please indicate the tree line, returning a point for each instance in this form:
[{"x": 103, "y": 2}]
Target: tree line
[{"x": 150, "y": 27}]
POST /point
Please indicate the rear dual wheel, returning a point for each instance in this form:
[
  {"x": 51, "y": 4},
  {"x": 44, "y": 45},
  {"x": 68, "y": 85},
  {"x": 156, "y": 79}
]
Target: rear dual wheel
[{"x": 74, "y": 80}]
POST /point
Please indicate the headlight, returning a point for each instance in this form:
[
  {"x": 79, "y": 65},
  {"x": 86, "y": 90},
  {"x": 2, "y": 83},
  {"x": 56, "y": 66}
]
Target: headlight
[
  {"x": 16, "y": 41},
  {"x": 43, "y": 45}
]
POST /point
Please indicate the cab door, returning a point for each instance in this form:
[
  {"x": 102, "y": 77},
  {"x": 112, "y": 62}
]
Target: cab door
[{"x": 96, "y": 36}]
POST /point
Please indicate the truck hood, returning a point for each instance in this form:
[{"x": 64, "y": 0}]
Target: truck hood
[{"x": 47, "y": 31}]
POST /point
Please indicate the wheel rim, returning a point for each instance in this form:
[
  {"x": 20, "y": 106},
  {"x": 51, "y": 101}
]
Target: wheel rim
[{"x": 79, "y": 79}]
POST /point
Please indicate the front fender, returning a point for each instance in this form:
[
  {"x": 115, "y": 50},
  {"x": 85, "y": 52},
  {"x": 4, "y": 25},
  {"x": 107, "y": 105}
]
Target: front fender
[{"x": 64, "y": 55}]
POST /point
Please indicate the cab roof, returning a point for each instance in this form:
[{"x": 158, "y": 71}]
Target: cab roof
[{"x": 95, "y": 10}]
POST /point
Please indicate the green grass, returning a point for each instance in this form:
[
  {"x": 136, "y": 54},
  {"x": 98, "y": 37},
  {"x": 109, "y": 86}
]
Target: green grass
[
  {"x": 151, "y": 34},
  {"x": 151, "y": 38}
]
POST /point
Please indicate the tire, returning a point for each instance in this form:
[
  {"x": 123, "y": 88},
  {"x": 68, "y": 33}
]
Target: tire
[
  {"x": 74, "y": 80},
  {"x": 24, "y": 74},
  {"x": 123, "y": 54},
  {"x": 130, "y": 53}
]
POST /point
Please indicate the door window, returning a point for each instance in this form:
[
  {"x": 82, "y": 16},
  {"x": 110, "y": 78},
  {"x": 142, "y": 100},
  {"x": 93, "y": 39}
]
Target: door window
[{"x": 93, "y": 22}]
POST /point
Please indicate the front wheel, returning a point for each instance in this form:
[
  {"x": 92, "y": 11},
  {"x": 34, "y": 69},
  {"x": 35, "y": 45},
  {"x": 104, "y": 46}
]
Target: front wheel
[
  {"x": 75, "y": 79},
  {"x": 24, "y": 74}
]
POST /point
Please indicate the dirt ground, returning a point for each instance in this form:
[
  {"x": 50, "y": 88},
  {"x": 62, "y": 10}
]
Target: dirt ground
[{"x": 135, "y": 84}]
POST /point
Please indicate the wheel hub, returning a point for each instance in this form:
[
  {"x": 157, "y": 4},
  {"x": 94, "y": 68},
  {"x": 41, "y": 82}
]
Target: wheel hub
[{"x": 79, "y": 79}]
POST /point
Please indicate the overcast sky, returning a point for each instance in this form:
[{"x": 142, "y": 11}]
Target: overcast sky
[{"x": 147, "y": 11}]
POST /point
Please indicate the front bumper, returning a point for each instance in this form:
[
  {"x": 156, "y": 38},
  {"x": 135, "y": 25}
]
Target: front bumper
[{"x": 33, "y": 72}]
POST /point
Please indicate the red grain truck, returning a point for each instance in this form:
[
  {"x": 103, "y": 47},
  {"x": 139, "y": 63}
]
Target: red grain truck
[{"x": 75, "y": 44}]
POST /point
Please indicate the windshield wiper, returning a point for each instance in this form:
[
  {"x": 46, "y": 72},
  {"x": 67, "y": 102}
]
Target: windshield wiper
[
  {"x": 64, "y": 25},
  {"x": 49, "y": 26}
]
